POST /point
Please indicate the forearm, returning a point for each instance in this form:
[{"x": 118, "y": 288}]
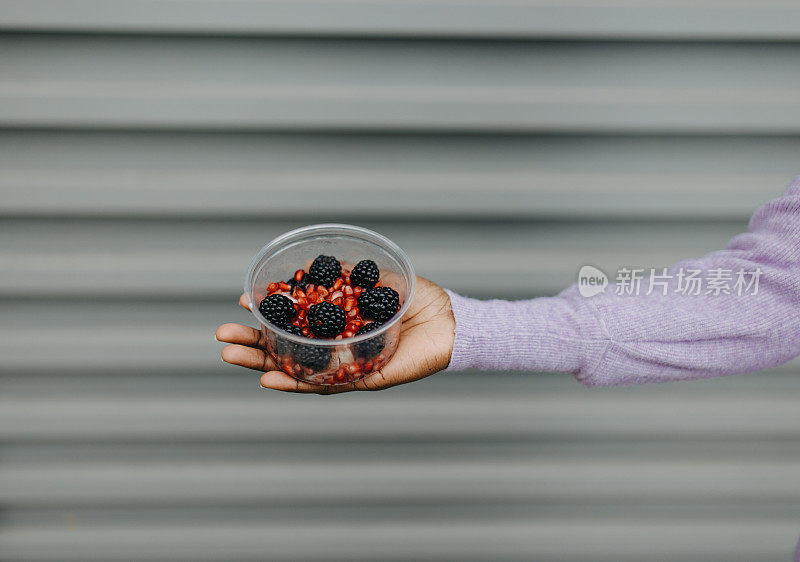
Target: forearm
[
  {"x": 617, "y": 339},
  {"x": 558, "y": 334}
]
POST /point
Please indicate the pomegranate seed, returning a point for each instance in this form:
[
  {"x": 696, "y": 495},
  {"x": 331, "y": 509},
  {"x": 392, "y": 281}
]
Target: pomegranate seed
[
  {"x": 314, "y": 298},
  {"x": 308, "y": 371},
  {"x": 347, "y": 279},
  {"x": 302, "y": 313},
  {"x": 348, "y": 334},
  {"x": 305, "y": 330},
  {"x": 310, "y": 289},
  {"x": 352, "y": 313},
  {"x": 368, "y": 366},
  {"x": 352, "y": 326},
  {"x": 341, "y": 373},
  {"x": 337, "y": 302},
  {"x": 361, "y": 361},
  {"x": 349, "y": 303},
  {"x": 286, "y": 366},
  {"x": 337, "y": 295},
  {"x": 338, "y": 337},
  {"x": 357, "y": 291},
  {"x": 337, "y": 284},
  {"x": 284, "y": 286},
  {"x": 298, "y": 369},
  {"x": 353, "y": 369},
  {"x": 299, "y": 274},
  {"x": 302, "y": 302},
  {"x": 272, "y": 287},
  {"x": 380, "y": 358},
  {"x": 322, "y": 291},
  {"x": 347, "y": 290}
]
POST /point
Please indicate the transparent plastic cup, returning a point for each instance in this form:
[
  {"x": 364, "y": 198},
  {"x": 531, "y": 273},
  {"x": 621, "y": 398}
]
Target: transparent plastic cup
[{"x": 330, "y": 361}]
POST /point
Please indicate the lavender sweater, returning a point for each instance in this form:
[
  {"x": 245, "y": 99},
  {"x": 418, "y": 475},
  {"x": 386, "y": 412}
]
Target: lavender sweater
[
  {"x": 613, "y": 339},
  {"x": 629, "y": 338}
]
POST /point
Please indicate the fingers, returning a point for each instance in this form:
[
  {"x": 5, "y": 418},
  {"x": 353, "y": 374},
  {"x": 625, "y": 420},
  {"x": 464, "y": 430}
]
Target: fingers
[
  {"x": 243, "y": 302},
  {"x": 402, "y": 367},
  {"x": 248, "y": 357},
  {"x": 243, "y": 335},
  {"x": 243, "y": 353},
  {"x": 278, "y": 380}
]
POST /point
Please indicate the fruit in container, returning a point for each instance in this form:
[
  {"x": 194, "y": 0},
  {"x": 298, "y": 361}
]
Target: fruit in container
[
  {"x": 379, "y": 304},
  {"x": 330, "y": 301},
  {"x": 326, "y": 320},
  {"x": 324, "y": 270},
  {"x": 369, "y": 348},
  {"x": 365, "y": 274},
  {"x": 278, "y": 309}
]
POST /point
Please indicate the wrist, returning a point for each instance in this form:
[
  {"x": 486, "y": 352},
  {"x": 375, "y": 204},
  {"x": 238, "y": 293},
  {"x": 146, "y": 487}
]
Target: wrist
[{"x": 450, "y": 331}]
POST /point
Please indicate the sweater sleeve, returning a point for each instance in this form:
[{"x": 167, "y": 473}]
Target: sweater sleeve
[{"x": 663, "y": 334}]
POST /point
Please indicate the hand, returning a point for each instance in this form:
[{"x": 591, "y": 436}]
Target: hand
[{"x": 425, "y": 347}]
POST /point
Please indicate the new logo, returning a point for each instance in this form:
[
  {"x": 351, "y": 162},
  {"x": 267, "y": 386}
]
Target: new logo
[{"x": 591, "y": 281}]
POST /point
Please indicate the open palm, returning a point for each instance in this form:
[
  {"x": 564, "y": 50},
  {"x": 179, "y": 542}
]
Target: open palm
[{"x": 425, "y": 347}]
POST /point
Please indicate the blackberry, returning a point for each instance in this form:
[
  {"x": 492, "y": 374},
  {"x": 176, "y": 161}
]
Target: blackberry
[
  {"x": 308, "y": 279},
  {"x": 379, "y": 304},
  {"x": 365, "y": 274},
  {"x": 326, "y": 320},
  {"x": 325, "y": 270},
  {"x": 311, "y": 356},
  {"x": 277, "y": 309},
  {"x": 283, "y": 345},
  {"x": 370, "y": 348},
  {"x": 292, "y": 329},
  {"x": 293, "y": 283}
]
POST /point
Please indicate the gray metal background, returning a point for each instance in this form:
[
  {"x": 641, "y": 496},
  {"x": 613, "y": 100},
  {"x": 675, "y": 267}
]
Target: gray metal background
[{"x": 149, "y": 148}]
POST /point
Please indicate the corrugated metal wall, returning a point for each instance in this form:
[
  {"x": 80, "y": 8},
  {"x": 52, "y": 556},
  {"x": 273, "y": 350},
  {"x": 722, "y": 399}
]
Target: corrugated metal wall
[{"x": 149, "y": 148}]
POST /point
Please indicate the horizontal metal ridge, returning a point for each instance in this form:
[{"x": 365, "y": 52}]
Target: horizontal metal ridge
[
  {"x": 260, "y": 415},
  {"x": 604, "y": 19},
  {"x": 389, "y": 176},
  {"x": 625, "y": 540},
  {"x": 263, "y": 84}
]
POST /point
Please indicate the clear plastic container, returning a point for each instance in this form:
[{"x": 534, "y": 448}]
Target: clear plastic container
[{"x": 326, "y": 361}]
